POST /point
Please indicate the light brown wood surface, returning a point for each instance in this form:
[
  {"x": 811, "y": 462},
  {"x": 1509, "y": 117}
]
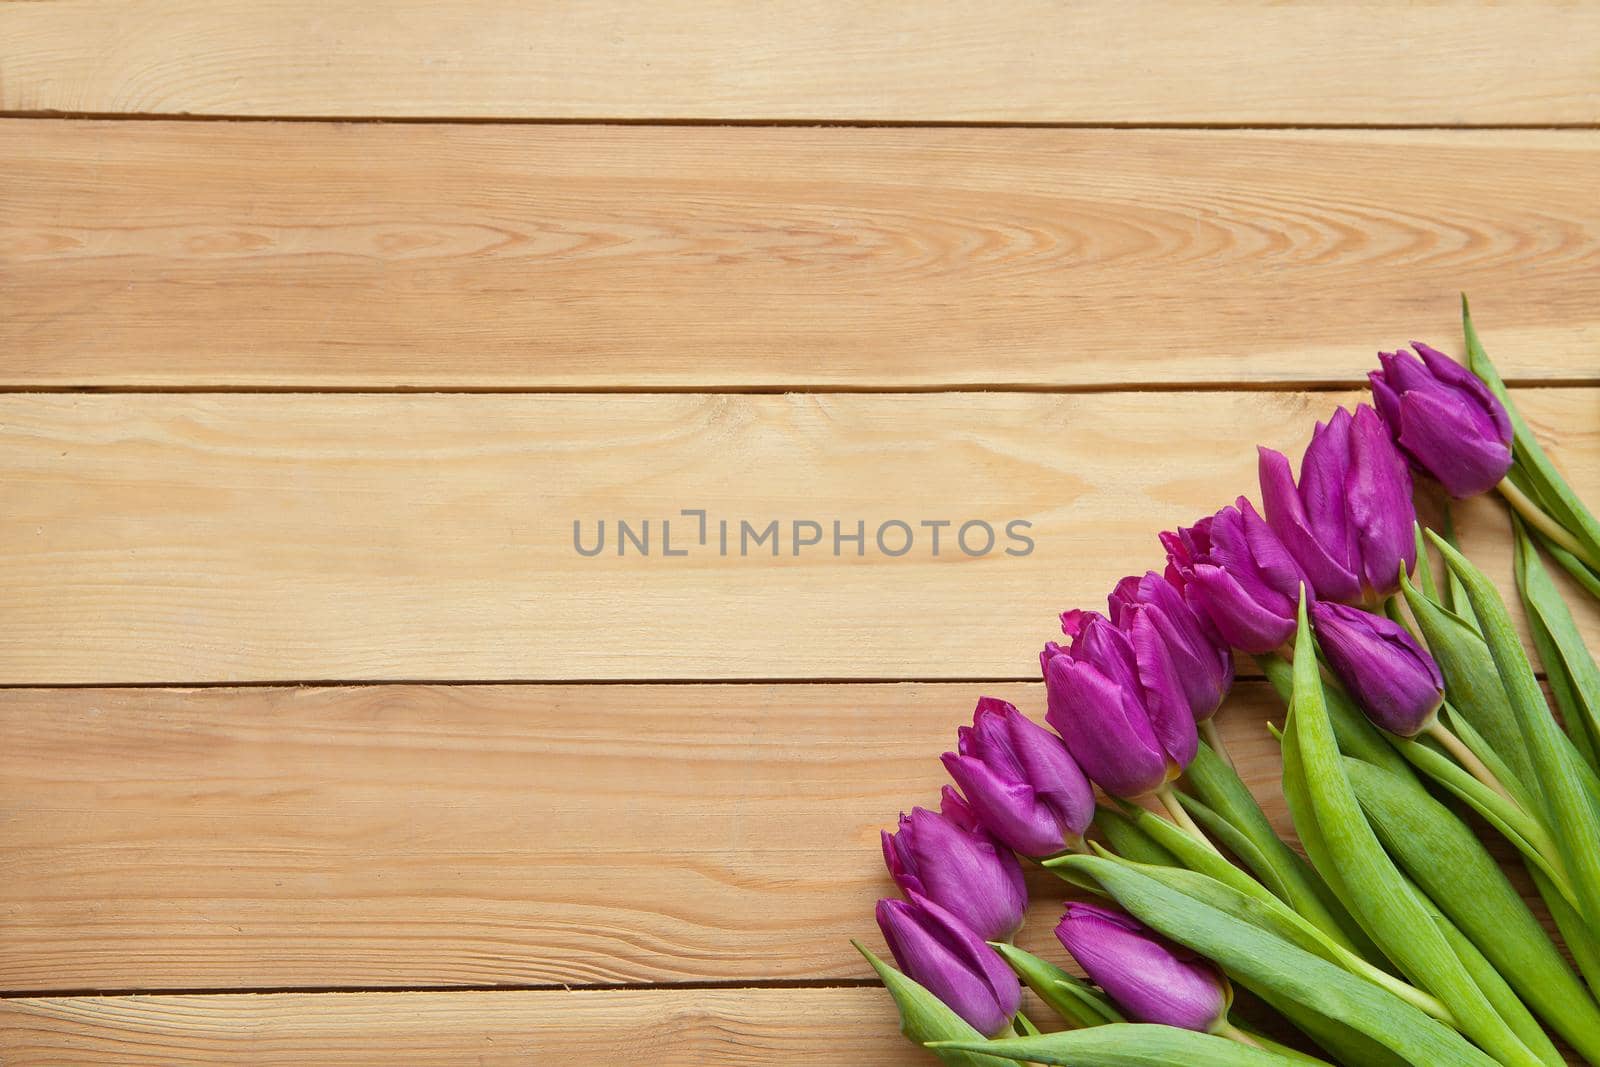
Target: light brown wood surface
[
  {"x": 1451, "y": 63},
  {"x": 374, "y": 836},
  {"x": 186, "y": 539},
  {"x": 318, "y": 401},
  {"x": 664, "y": 1028},
  {"x": 313, "y": 255}
]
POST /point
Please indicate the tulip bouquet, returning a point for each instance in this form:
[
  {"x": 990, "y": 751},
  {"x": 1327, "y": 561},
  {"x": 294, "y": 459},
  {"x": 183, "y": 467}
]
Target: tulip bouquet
[{"x": 1392, "y": 935}]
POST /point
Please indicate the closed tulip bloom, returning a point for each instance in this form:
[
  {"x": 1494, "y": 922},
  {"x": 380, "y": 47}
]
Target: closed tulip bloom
[
  {"x": 1391, "y": 677},
  {"x": 1238, "y": 576},
  {"x": 1020, "y": 781},
  {"x": 939, "y": 952},
  {"x": 1130, "y": 729},
  {"x": 1153, "y": 614},
  {"x": 1446, "y": 421},
  {"x": 953, "y": 862},
  {"x": 1152, "y": 979},
  {"x": 1349, "y": 521}
]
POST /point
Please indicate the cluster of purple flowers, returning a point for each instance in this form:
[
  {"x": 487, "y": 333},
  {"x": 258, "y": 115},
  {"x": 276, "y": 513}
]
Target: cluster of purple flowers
[{"x": 1129, "y": 690}]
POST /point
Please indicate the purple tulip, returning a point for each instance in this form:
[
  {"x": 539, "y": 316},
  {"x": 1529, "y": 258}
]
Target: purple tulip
[
  {"x": 1152, "y": 612},
  {"x": 1348, "y": 524},
  {"x": 1391, "y": 677},
  {"x": 939, "y": 952},
  {"x": 1152, "y": 979},
  {"x": 1129, "y": 728},
  {"x": 1236, "y": 574},
  {"x": 1020, "y": 781},
  {"x": 959, "y": 866},
  {"x": 1446, "y": 421}
]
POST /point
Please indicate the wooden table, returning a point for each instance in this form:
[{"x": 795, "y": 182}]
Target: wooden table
[{"x": 320, "y": 743}]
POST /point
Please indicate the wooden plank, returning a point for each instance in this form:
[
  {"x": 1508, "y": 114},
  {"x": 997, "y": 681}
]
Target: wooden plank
[
  {"x": 1019, "y": 61},
  {"x": 699, "y": 1028},
  {"x": 196, "y": 255},
  {"x": 223, "y": 538},
  {"x": 265, "y": 838}
]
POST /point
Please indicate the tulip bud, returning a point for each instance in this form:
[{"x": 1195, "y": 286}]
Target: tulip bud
[
  {"x": 1236, "y": 574},
  {"x": 1152, "y": 612},
  {"x": 1348, "y": 523},
  {"x": 949, "y": 860},
  {"x": 940, "y": 953},
  {"x": 1020, "y": 781},
  {"x": 1128, "y": 727},
  {"x": 1445, "y": 420},
  {"x": 1152, "y": 979},
  {"x": 1391, "y": 677}
]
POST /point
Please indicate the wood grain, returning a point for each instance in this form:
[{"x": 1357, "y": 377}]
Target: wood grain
[
  {"x": 205, "y": 538},
  {"x": 1018, "y": 61},
  {"x": 265, "y": 838},
  {"x": 296, "y": 255},
  {"x": 547, "y": 1028}
]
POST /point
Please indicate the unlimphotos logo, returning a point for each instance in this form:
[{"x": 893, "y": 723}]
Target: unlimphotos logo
[{"x": 699, "y": 533}]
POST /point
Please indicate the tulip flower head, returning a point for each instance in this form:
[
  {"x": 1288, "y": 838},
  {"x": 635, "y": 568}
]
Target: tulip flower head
[
  {"x": 1348, "y": 524},
  {"x": 943, "y": 955},
  {"x": 1020, "y": 782},
  {"x": 1445, "y": 420},
  {"x": 1127, "y": 723},
  {"x": 1152, "y": 979},
  {"x": 1153, "y": 614},
  {"x": 1391, "y": 677},
  {"x": 949, "y": 859},
  {"x": 1238, "y": 576}
]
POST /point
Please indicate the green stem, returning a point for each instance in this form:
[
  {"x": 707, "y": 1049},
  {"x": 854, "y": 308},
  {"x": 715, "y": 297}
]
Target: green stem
[
  {"x": 1468, "y": 759},
  {"x": 1536, "y": 517},
  {"x": 1181, "y": 817},
  {"x": 1233, "y": 1033},
  {"x": 1213, "y": 737}
]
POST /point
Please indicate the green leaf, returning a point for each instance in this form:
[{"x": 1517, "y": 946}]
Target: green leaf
[
  {"x": 1134, "y": 1045},
  {"x": 1545, "y": 482},
  {"x": 924, "y": 1017},
  {"x": 1513, "y": 823},
  {"x": 1231, "y": 814},
  {"x": 1379, "y": 896},
  {"x": 1275, "y": 917},
  {"x": 1572, "y": 817},
  {"x": 1580, "y": 942},
  {"x": 1126, "y": 839},
  {"x": 1495, "y": 988},
  {"x": 1470, "y": 679},
  {"x": 1574, "y": 678},
  {"x": 1195, "y": 856},
  {"x": 1580, "y": 571},
  {"x": 1269, "y": 965},
  {"x": 1075, "y": 1000},
  {"x": 1444, "y": 857}
]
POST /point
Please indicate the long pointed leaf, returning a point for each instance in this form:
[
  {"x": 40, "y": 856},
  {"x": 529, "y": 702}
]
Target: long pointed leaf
[
  {"x": 1444, "y": 857},
  {"x": 924, "y": 1017},
  {"x": 1470, "y": 679},
  {"x": 1133, "y": 1045},
  {"x": 1573, "y": 819},
  {"x": 1575, "y": 679},
  {"x": 1067, "y": 995},
  {"x": 1265, "y": 962},
  {"x": 1379, "y": 896},
  {"x": 1250, "y": 836}
]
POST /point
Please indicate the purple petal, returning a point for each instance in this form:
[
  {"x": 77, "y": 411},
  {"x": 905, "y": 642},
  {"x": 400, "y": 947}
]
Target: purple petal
[
  {"x": 1152, "y": 979},
  {"x": 1009, "y": 808},
  {"x": 1105, "y": 729},
  {"x": 1386, "y": 672},
  {"x": 1286, "y": 517},
  {"x": 1439, "y": 434},
  {"x": 1378, "y": 496}
]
